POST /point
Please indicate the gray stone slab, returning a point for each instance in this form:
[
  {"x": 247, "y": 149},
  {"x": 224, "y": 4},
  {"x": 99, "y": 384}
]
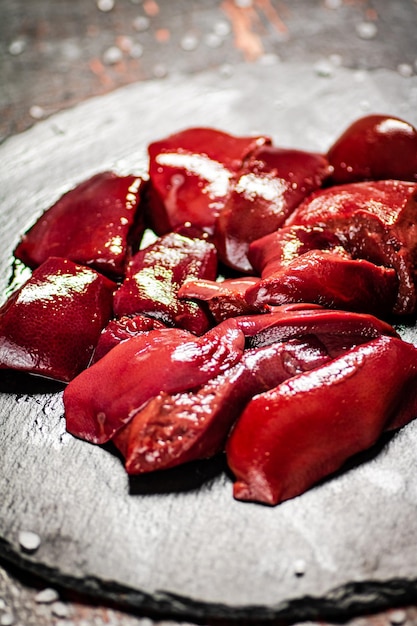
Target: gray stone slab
[{"x": 178, "y": 543}]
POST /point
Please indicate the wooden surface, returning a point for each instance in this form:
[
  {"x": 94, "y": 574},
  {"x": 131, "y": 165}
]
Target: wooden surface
[{"x": 255, "y": 35}]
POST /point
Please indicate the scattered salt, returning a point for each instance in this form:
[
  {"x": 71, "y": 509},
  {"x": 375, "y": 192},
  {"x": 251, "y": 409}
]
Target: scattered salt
[
  {"x": 46, "y": 596},
  {"x": 366, "y": 30},
  {"x": 299, "y": 567},
  {"x": 29, "y": 541},
  {"x": 105, "y": 5},
  {"x": 36, "y": 112}
]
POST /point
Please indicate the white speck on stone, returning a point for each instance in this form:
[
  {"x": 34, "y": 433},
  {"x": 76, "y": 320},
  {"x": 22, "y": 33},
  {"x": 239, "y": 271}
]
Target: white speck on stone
[
  {"x": 59, "y": 609},
  {"x": 405, "y": 69},
  {"x": 7, "y": 619},
  {"x": 112, "y": 55},
  {"x": 243, "y": 4},
  {"x": 46, "y": 596},
  {"x": 397, "y": 617},
  {"x": 299, "y": 567},
  {"x": 336, "y": 60},
  {"x": 324, "y": 68},
  {"x": 333, "y": 4},
  {"x": 160, "y": 71},
  {"x": 366, "y": 30},
  {"x": 269, "y": 59},
  {"x": 189, "y": 42},
  {"x": 226, "y": 70},
  {"x": 222, "y": 28},
  {"x": 36, "y": 112},
  {"x": 125, "y": 43},
  {"x": 29, "y": 541},
  {"x": 136, "y": 51},
  {"x": 212, "y": 40},
  {"x": 105, "y": 5},
  {"x": 141, "y": 23},
  {"x": 2, "y": 604},
  {"x": 17, "y": 47}
]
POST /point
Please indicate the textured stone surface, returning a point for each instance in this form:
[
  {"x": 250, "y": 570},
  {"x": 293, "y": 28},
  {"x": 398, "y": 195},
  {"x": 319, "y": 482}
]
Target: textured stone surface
[{"x": 178, "y": 543}]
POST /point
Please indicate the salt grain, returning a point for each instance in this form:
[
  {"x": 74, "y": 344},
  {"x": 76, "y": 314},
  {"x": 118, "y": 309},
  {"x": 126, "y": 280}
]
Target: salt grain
[
  {"x": 189, "y": 42},
  {"x": 366, "y": 30},
  {"x": 160, "y": 71},
  {"x": 222, "y": 28},
  {"x": 29, "y": 541},
  {"x": 36, "y": 112},
  {"x": 7, "y": 619},
  {"x": 105, "y": 5},
  {"x": 333, "y": 4},
  {"x": 243, "y": 4},
  {"x": 46, "y": 596},
  {"x": 405, "y": 69},
  {"x": 141, "y": 23},
  {"x": 269, "y": 59},
  {"x": 212, "y": 40},
  {"x": 112, "y": 55},
  {"x": 226, "y": 70},
  {"x": 17, "y": 47},
  {"x": 59, "y": 609},
  {"x": 299, "y": 567},
  {"x": 136, "y": 51},
  {"x": 397, "y": 617},
  {"x": 324, "y": 68}
]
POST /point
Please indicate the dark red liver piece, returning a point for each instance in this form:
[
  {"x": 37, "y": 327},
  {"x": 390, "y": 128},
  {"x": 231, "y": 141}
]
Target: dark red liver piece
[
  {"x": 122, "y": 329},
  {"x": 291, "y": 437},
  {"x": 190, "y": 174},
  {"x": 51, "y": 325},
  {"x": 269, "y": 187},
  {"x": 298, "y": 321},
  {"x": 375, "y": 147},
  {"x": 225, "y": 299},
  {"x": 155, "y": 275},
  {"x": 331, "y": 279},
  {"x": 375, "y": 221},
  {"x": 89, "y": 225},
  {"x": 175, "y": 429},
  {"x": 106, "y": 396},
  {"x": 270, "y": 253}
]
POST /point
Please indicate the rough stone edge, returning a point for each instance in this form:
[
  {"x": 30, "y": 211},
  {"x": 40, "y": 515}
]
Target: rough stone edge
[{"x": 339, "y": 604}]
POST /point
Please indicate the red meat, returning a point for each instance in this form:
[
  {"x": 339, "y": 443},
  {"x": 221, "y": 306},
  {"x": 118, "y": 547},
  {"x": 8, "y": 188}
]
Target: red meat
[
  {"x": 375, "y": 221},
  {"x": 190, "y": 174},
  {"x": 289, "y": 438},
  {"x": 107, "y": 395},
  {"x": 90, "y": 225},
  {"x": 175, "y": 429},
  {"x": 51, "y": 325},
  {"x": 269, "y": 187},
  {"x": 375, "y": 147},
  {"x": 155, "y": 275}
]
